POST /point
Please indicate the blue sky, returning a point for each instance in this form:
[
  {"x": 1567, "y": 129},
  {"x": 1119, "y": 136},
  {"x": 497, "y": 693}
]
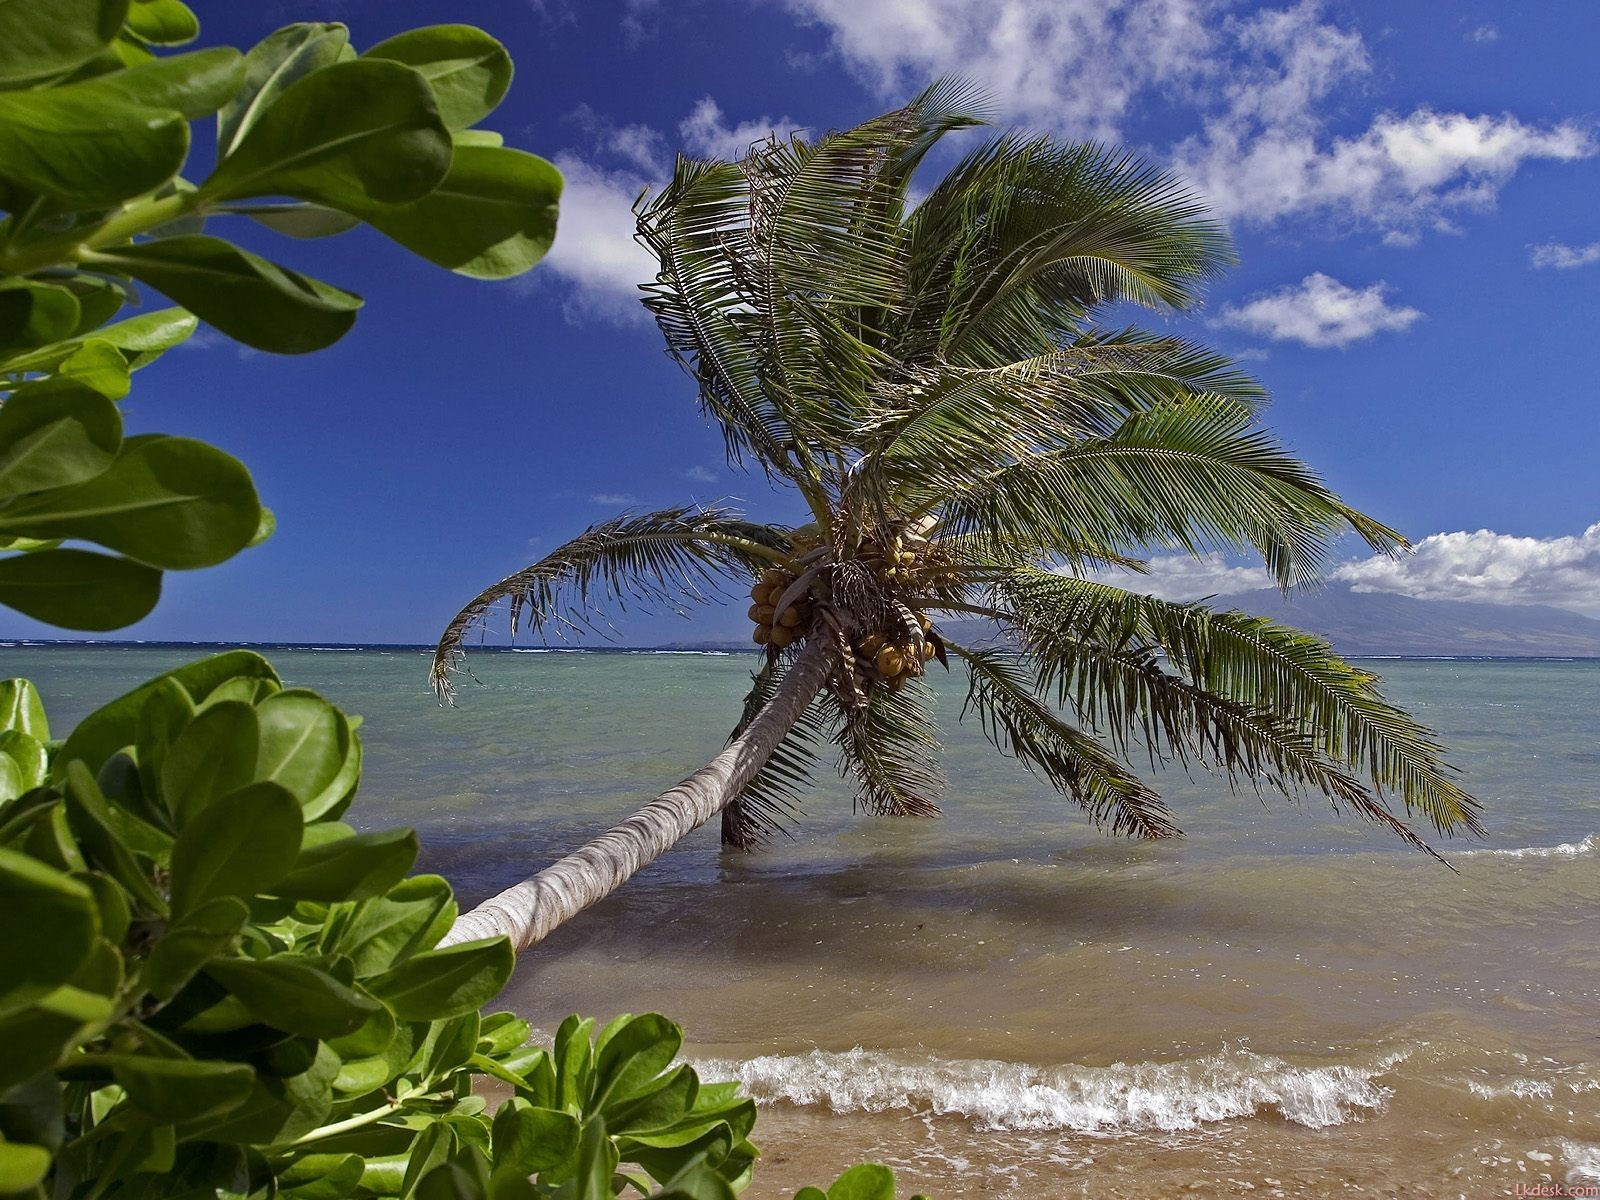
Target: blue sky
[{"x": 1411, "y": 187}]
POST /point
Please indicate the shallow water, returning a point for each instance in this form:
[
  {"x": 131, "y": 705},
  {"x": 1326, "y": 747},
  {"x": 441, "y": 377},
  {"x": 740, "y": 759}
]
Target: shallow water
[{"x": 1004, "y": 1002}]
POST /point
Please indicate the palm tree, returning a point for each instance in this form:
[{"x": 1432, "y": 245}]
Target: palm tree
[{"x": 934, "y": 380}]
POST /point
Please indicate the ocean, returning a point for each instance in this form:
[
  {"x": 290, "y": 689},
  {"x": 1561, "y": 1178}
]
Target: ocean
[{"x": 1004, "y": 1002}]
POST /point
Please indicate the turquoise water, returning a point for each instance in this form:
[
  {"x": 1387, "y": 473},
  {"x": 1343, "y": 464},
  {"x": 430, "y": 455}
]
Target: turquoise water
[{"x": 1004, "y": 1001}]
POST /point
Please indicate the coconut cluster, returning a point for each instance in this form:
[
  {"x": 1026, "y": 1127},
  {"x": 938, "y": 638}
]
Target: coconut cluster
[
  {"x": 775, "y": 628},
  {"x": 894, "y": 659},
  {"x": 893, "y": 560}
]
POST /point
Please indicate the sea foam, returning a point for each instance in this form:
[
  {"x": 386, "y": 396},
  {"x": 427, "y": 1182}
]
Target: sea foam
[
  {"x": 1177, "y": 1095},
  {"x": 1588, "y": 845}
]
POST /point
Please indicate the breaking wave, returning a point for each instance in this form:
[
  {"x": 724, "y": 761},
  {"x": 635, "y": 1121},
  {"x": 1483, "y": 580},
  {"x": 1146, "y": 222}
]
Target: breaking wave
[
  {"x": 1588, "y": 845},
  {"x": 1167, "y": 1096}
]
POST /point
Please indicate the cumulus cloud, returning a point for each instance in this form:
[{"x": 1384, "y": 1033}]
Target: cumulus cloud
[
  {"x": 1320, "y": 311},
  {"x": 1563, "y": 257},
  {"x": 1074, "y": 65},
  {"x": 1181, "y": 577},
  {"x": 1403, "y": 175},
  {"x": 707, "y": 133},
  {"x": 699, "y": 474},
  {"x": 594, "y": 248},
  {"x": 1483, "y": 33},
  {"x": 1493, "y": 568},
  {"x": 1257, "y": 86},
  {"x": 612, "y": 499}
]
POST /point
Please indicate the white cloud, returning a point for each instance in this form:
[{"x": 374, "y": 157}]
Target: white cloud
[
  {"x": 1404, "y": 174},
  {"x": 594, "y": 247},
  {"x": 700, "y": 475},
  {"x": 1257, "y": 87},
  {"x": 706, "y": 131},
  {"x": 612, "y": 499},
  {"x": 1183, "y": 577},
  {"x": 1484, "y": 33},
  {"x": 1493, "y": 568},
  {"x": 1564, "y": 257},
  {"x": 1321, "y": 312},
  {"x": 1076, "y": 66}
]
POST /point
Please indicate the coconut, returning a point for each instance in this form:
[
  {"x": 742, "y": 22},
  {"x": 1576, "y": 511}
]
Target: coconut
[
  {"x": 871, "y": 644},
  {"x": 781, "y": 637},
  {"x": 754, "y": 613},
  {"x": 927, "y": 651},
  {"x": 907, "y": 557},
  {"x": 790, "y": 616},
  {"x": 760, "y": 593},
  {"x": 889, "y": 662},
  {"x": 762, "y": 635},
  {"x": 925, "y": 621},
  {"x": 772, "y": 576},
  {"x": 897, "y": 682},
  {"x": 765, "y": 613}
]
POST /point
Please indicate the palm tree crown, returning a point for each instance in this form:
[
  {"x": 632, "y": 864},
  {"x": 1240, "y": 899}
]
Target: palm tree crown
[{"x": 934, "y": 379}]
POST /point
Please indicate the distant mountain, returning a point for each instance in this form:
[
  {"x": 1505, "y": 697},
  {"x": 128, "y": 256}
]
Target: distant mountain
[
  {"x": 1366, "y": 623},
  {"x": 1359, "y": 623}
]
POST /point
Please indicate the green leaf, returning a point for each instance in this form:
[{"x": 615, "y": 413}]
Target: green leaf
[
  {"x": 97, "y": 827},
  {"x": 55, "y": 434},
  {"x": 179, "y": 1089},
  {"x": 166, "y": 501},
  {"x": 35, "y": 314},
  {"x": 34, "y": 48},
  {"x": 321, "y": 1177},
  {"x": 110, "y": 901},
  {"x": 355, "y": 136},
  {"x": 528, "y": 1139},
  {"x": 351, "y": 867},
  {"x": 48, "y": 925},
  {"x": 22, "y": 1167},
  {"x": 85, "y": 147},
  {"x": 31, "y": 756},
  {"x": 308, "y": 747},
  {"x": 78, "y": 589},
  {"x": 432, "y": 1149},
  {"x": 22, "y": 709},
  {"x": 164, "y": 22},
  {"x": 631, "y": 1053},
  {"x": 98, "y": 365},
  {"x": 868, "y": 1181},
  {"x": 246, "y": 297},
  {"x": 444, "y": 983},
  {"x": 117, "y": 724},
  {"x": 271, "y": 67},
  {"x": 195, "y": 84},
  {"x": 214, "y": 755},
  {"x": 387, "y": 930},
  {"x": 468, "y": 70},
  {"x": 189, "y": 942},
  {"x": 300, "y": 220},
  {"x": 240, "y": 845},
  {"x": 291, "y": 994},
  {"x": 494, "y": 215},
  {"x": 143, "y": 338}
]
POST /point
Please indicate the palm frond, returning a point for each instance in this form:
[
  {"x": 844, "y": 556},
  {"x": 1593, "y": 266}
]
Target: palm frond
[
  {"x": 1193, "y": 474},
  {"x": 1096, "y": 647},
  {"x": 1023, "y": 726},
  {"x": 890, "y": 748},
  {"x": 770, "y": 802},
  {"x": 664, "y": 558},
  {"x": 1025, "y": 237}
]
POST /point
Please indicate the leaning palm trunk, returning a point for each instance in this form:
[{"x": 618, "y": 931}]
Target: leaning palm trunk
[{"x": 530, "y": 911}]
